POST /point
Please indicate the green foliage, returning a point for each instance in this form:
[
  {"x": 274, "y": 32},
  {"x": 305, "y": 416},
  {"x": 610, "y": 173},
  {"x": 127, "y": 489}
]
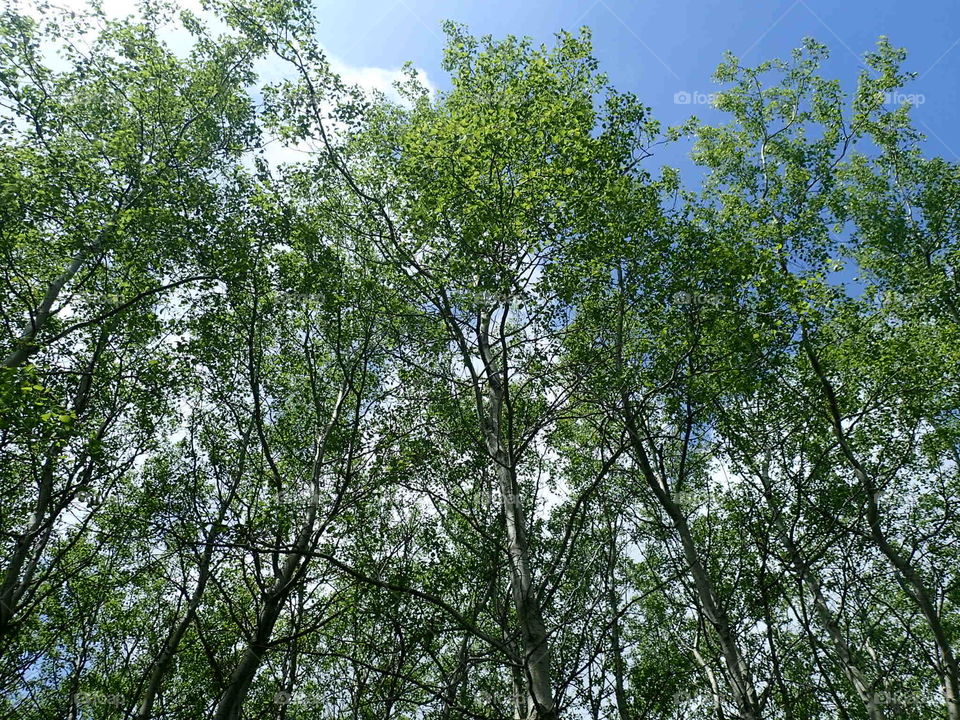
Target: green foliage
[{"x": 468, "y": 414}]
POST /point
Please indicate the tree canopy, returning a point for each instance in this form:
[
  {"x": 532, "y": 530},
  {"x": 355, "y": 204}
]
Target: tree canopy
[{"x": 472, "y": 412}]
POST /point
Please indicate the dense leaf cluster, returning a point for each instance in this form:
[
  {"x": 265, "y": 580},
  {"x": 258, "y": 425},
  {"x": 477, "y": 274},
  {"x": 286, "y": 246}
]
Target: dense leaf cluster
[{"x": 467, "y": 414}]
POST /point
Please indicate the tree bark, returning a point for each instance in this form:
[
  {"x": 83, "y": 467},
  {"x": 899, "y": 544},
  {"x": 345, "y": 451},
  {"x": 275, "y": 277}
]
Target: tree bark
[
  {"x": 524, "y": 589},
  {"x": 231, "y": 700},
  {"x": 841, "y": 649},
  {"x": 949, "y": 670},
  {"x": 737, "y": 672}
]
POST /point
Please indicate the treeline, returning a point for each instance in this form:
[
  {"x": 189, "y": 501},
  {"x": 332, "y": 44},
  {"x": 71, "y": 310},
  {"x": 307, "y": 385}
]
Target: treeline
[{"x": 470, "y": 413}]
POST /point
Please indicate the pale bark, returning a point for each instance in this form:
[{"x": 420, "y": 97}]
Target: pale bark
[
  {"x": 25, "y": 346},
  {"x": 29, "y": 545},
  {"x": 616, "y": 650},
  {"x": 842, "y": 651},
  {"x": 949, "y": 670},
  {"x": 739, "y": 676},
  {"x": 525, "y": 592},
  {"x": 231, "y": 700},
  {"x": 176, "y": 634}
]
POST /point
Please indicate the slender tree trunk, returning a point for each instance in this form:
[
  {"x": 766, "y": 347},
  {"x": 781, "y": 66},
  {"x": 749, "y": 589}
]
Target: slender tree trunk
[
  {"x": 179, "y": 630},
  {"x": 231, "y": 701},
  {"x": 38, "y": 317},
  {"x": 29, "y": 545},
  {"x": 949, "y": 670},
  {"x": 524, "y": 590},
  {"x": 26, "y": 554},
  {"x": 175, "y": 636},
  {"x": 841, "y": 649},
  {"x": 526, "y": 601},
  {"x": 232, "y": 698},
  {"x": 712, "y": 679},
  {"x": 616, "y": 650},
  {"x": 737, "y": 672},
  {"x": 461, "y": 671}
]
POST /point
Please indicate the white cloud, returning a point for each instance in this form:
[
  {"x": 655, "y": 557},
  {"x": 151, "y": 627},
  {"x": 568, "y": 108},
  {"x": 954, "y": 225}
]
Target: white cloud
[
  {"x": 269, "y": 70},
  {"x": 377, "y": 78},
  {"x": 369, "y": 78}
]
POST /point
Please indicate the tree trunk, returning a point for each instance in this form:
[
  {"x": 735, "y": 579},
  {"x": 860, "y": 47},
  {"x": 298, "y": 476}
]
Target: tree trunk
[
  {"x": 842, "y": 650},
  {"x": 737, "y": 672},
  {"x": 949, "y": 670},
  {"x": 524, "y": 590}
]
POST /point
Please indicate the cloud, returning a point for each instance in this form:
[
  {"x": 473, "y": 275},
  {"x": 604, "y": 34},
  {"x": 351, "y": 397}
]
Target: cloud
[
  {"x": 269, "y": 70},
  {"x": 369, "y": 78},
  {"x": 377, "y": 78}
]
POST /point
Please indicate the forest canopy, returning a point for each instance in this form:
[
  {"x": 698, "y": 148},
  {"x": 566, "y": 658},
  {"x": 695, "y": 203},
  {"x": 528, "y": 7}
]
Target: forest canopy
[{"x": 471, "y": 410}]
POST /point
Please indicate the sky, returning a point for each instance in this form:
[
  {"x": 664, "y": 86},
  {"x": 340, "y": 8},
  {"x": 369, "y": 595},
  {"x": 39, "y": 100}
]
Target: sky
[{"x": 666, "y": 51}]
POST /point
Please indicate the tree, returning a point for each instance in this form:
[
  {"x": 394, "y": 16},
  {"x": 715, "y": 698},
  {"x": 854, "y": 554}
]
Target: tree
[{"x": 469, "y": 413}]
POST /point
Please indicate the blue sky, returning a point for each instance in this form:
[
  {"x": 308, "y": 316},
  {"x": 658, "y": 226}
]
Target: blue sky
[{"x": 660, "y": 49}]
